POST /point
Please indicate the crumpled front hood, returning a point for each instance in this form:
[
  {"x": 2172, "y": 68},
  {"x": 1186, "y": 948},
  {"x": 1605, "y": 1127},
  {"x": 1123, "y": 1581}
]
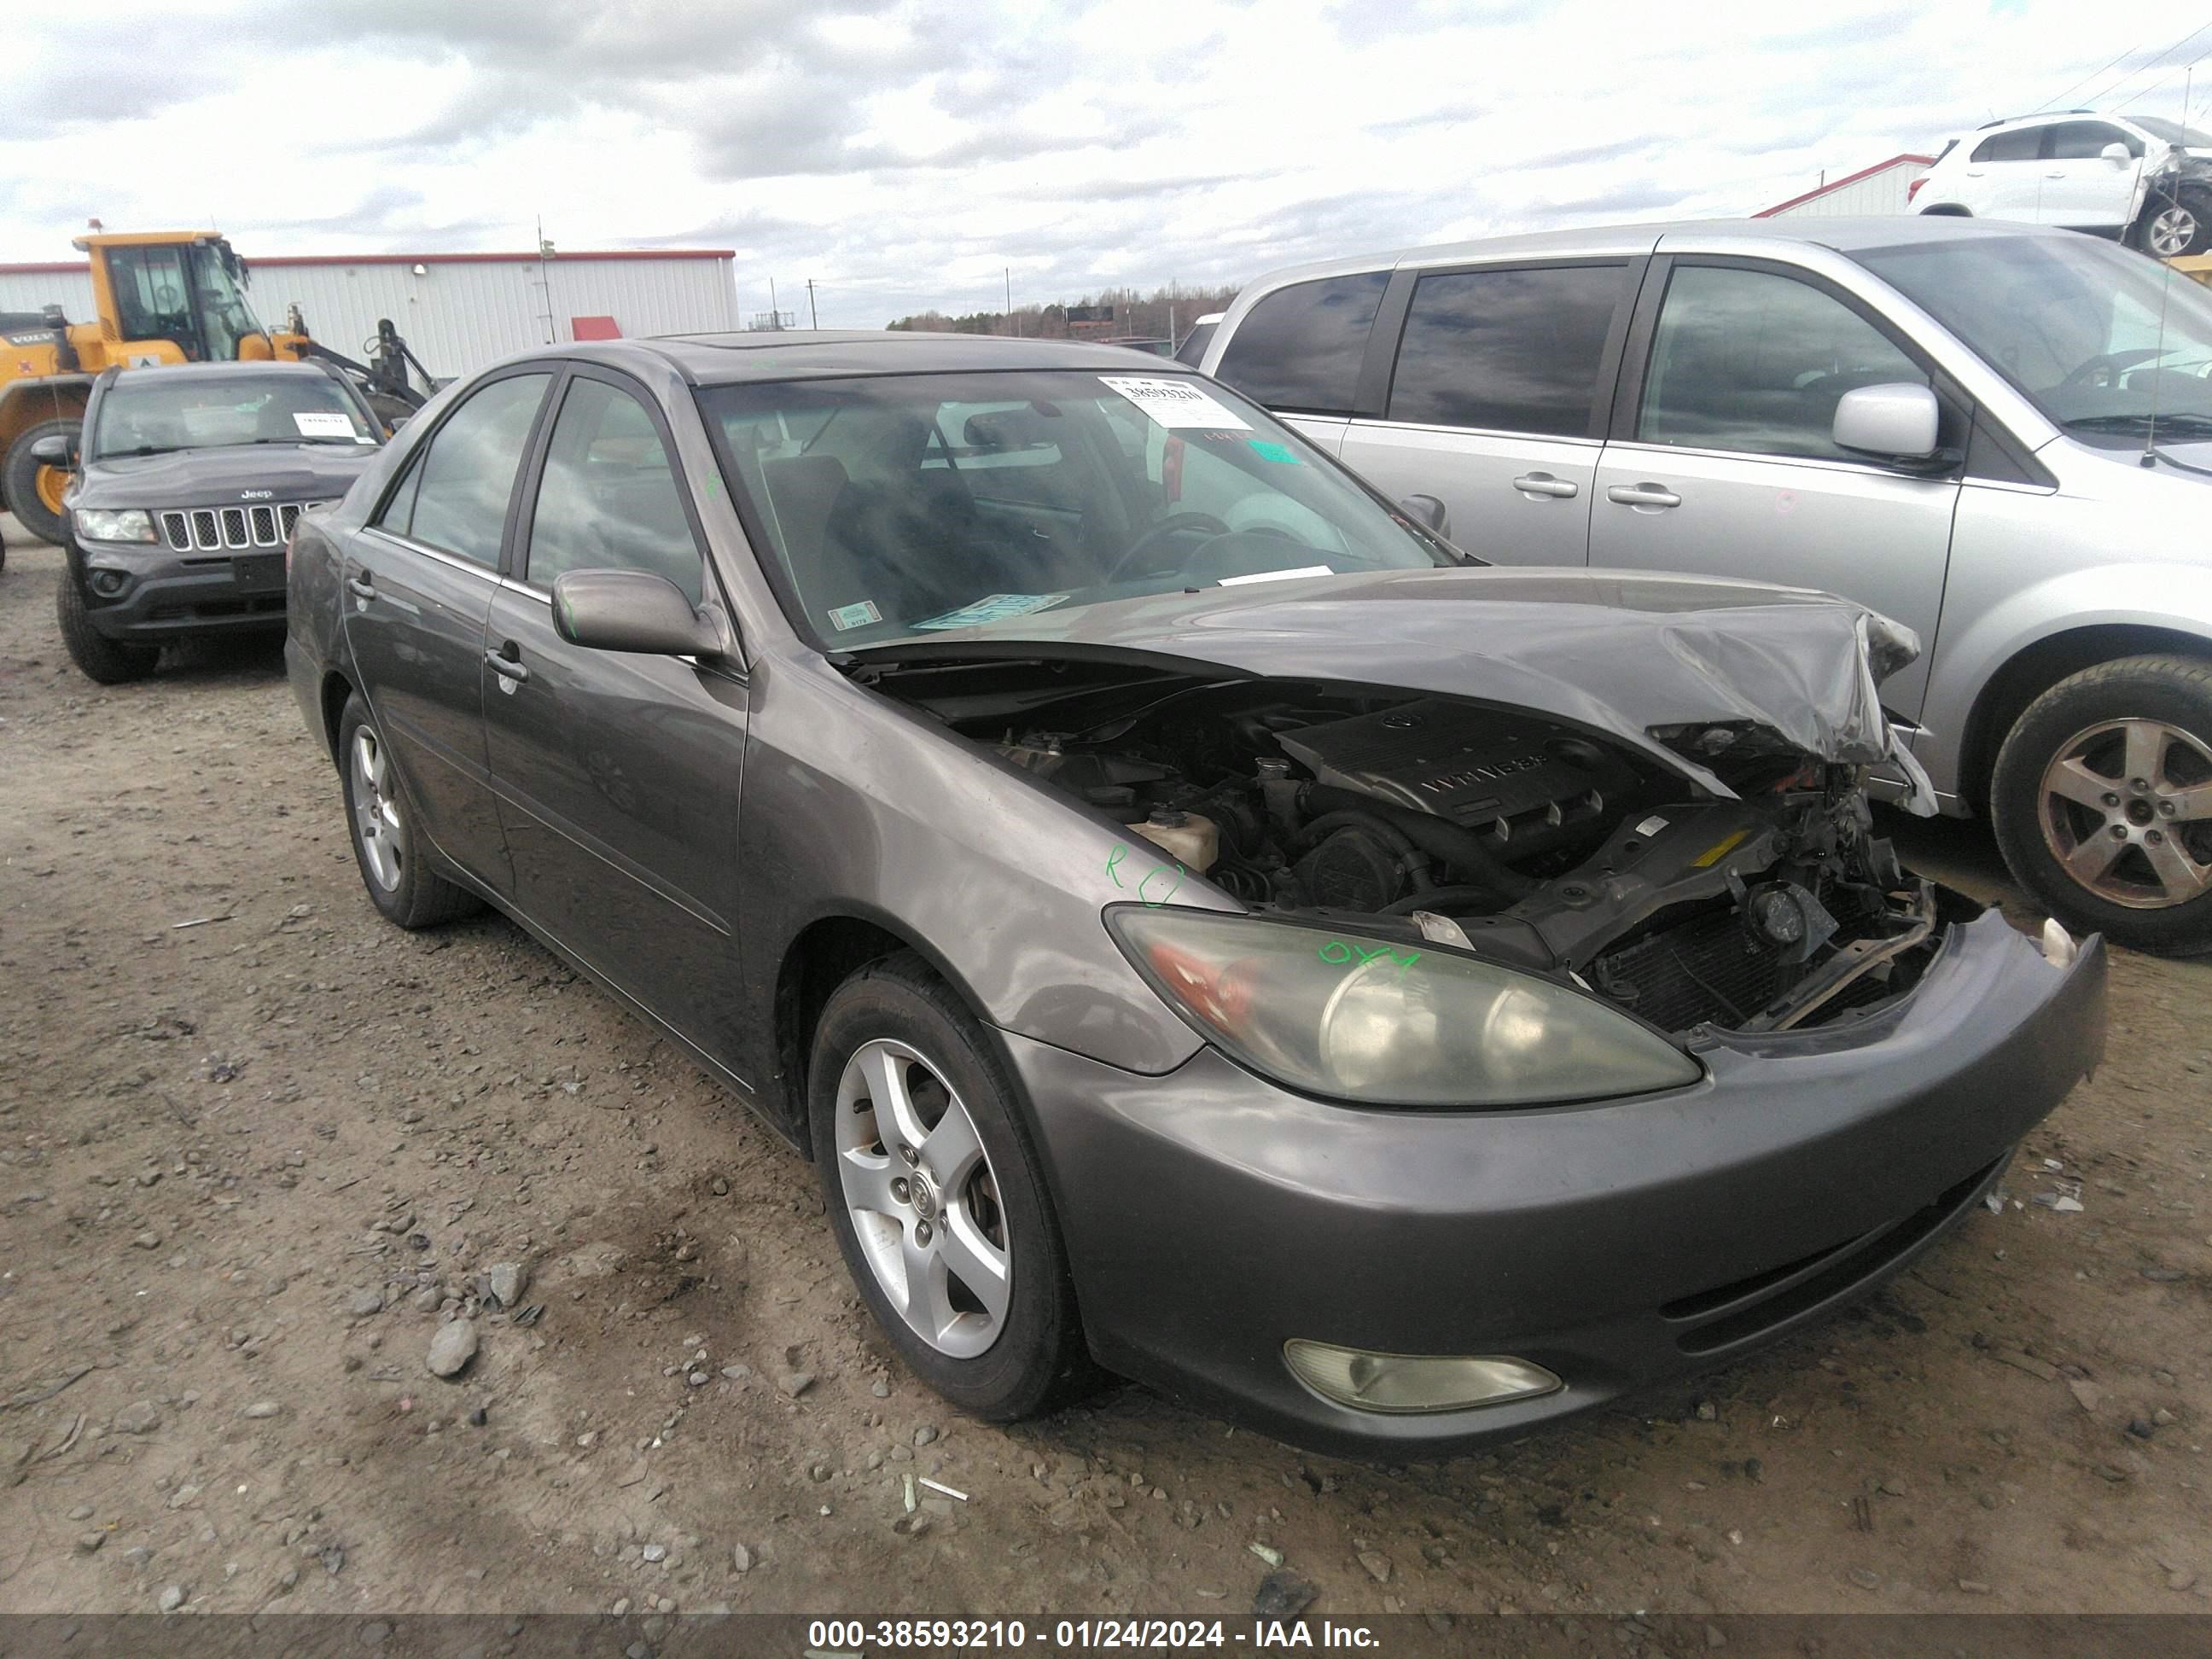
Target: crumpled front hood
[
  {"x": 216, "y": 477},
  {"x": 1617, "y": 650}
]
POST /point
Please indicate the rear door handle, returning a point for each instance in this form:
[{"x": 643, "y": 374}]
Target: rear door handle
[
  {"x": 1543, "y": 483},
  {"x": 2061, "y": 174},
  {"x": 506, "y": 662},
  {"x": 1643, "y": 494},
  {"x": 360, "y": 587}
]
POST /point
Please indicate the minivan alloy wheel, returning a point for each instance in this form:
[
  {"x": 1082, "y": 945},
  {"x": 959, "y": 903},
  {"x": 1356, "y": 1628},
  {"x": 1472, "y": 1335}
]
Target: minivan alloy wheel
[
  {"x": 2171, "y": 231},
  {"x": 923, "y": 1198},
  {"x": 2127, "y": 811},
  {"x": 376, "y": 809}
]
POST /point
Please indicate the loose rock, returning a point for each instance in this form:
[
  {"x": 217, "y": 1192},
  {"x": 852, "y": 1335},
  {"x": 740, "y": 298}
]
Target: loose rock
[
  {"x": 452, "y": 1348},
  {"x": 1283, "y": 1596},
  {"x": 139, "y": 1417}
]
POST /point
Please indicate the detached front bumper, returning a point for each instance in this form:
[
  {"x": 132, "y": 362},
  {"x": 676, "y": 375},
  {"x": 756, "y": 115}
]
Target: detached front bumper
[
  {"x": 1211, "y": 1216},
  {"x": 143, "y": 593}
]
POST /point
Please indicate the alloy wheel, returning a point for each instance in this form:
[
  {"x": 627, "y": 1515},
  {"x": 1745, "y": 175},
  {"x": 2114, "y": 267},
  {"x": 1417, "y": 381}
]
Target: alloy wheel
[
  {"x": 2127, "y": 813},
  {"x": 376, "y": 810},
  {"x": 2171, "y": 231},
  {"x": 923, "y": 1199}
]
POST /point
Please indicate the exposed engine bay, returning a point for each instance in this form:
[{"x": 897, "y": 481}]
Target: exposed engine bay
[{"x": 1495, "y": 831}]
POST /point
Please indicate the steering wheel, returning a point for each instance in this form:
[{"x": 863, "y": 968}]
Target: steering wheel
[
  {"x": 2103, "y": 372},
  {"x": 1174, "y": 524}
]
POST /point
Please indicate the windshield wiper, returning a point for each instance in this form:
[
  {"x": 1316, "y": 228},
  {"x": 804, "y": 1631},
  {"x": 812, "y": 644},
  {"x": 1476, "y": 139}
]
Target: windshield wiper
[
  {"x": 142, "y": 449},
  {"x": 2144, "y": 425}
]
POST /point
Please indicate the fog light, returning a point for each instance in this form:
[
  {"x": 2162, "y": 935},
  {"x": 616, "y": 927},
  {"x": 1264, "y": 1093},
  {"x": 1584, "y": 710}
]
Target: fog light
[
  {"x": 1409, "y": 1382},
  {"x": 108, "y": 583}
]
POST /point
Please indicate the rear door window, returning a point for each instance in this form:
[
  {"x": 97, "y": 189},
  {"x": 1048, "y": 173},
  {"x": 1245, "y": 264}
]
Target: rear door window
[
  {"x": 1507, "y": 350},
  {"x": 1300, "y": 348},
  {"x": 2021, "y": 144},
  {"x": 468, "y": 477}
]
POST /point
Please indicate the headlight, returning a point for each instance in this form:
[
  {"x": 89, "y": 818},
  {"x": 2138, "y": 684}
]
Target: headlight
[
  {"x": 95, "y": 524},
  {"x": 1388, "y": 1021}
]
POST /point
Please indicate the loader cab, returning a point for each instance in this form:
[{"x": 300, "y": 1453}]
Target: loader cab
[{"x": 174, "y": 298}]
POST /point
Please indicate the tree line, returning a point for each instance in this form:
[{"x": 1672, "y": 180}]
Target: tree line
[{"x": 1164, "y": 313}]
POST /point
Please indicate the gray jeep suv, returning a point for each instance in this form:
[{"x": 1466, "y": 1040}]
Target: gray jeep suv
[
  {"x": 1997, "y": 434},
  {"x": 185, "y": 497}
]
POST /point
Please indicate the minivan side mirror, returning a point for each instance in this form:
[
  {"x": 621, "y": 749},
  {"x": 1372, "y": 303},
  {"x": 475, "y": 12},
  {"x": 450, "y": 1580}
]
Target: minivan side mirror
[
  {"x": 1896, "y": 422},
  {"x": 55, "y": 449},
  {"x": 2117, "y": 153},
  {"x": 1427, "y": 511},
  {"x": 632, "y": 610}
]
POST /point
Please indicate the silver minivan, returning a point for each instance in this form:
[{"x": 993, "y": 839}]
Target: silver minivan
[{"x": 1998, "y": 434}]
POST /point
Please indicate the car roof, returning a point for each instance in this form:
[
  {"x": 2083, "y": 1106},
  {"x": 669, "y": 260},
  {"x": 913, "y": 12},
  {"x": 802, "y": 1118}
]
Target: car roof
[
  {"x": 181, "y": 372},
  {"x": 809, "y": 355},
  {"x": 1841, "y": 234}
]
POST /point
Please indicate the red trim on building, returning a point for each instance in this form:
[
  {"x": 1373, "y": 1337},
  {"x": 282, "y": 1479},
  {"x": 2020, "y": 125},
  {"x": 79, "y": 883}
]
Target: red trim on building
[
  {"x": 59, "y": 268},
  {"x": 1848, "y": 179},
  {"x": 595, "y": 328}
]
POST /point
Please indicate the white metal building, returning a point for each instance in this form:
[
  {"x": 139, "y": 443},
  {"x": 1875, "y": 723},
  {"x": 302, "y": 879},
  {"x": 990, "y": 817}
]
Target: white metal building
[
  {"x": 1879, "y": 189},
  {"x": 458, "y": 311}
]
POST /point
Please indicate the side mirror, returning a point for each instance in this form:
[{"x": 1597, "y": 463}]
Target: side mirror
[
  {"x": 1893, "y": 423},
  {"x": 1427, "y": 511},
  {"x": 632, "y": 610},
  {"x": 55, "y": 449},
  {"x": 2117, "y": 153},
  {"x": 393, "y": 426}
]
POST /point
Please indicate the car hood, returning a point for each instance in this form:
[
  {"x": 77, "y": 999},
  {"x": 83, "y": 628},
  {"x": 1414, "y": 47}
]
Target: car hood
[
  {"x": 1615, "y": 650},
  {"x": 217, "y": 478}
]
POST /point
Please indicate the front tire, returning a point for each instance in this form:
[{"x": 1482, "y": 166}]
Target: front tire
[
  {"x": 936, "y": 1198},
  {"x": 33, "y": 490},
  {"x": 380, "y": 821},
  {"x": 2175, "y": 226},
  {"x": 2102, "y": 802},
  {"x": 110, "y": 662}
]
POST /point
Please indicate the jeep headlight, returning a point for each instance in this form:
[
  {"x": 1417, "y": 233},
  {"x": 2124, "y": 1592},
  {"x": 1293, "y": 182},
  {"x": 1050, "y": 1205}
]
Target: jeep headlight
[
  {"x": 1388, "y": 1021},
  {"x": 97, "y": 523}
]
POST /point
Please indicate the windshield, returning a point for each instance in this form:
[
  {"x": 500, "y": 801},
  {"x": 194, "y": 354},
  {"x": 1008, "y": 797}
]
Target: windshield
[
  {"x": 156, "y": 410},
  {"x": 2100, "y": 339},
  {"x": 909, "y": 506},
  {"x": 2172, "y": 132},
  {"x": 228, "y": 319}
]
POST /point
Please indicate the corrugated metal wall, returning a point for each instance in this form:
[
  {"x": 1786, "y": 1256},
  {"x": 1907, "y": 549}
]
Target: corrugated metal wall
[
  {"x": 458, "y": 316},
  {"x": 1881, "y": 192}
]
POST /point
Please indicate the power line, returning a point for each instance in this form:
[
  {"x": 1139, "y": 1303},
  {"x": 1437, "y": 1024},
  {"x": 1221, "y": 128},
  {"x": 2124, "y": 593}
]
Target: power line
[
  {"x": 2156, "y": 63},
  {"x": 2050, "y": 103}
]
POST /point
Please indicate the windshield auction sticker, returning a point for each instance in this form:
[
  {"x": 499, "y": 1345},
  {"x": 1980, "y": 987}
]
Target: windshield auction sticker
[
  {"x": 323, "y": 424},
  {"x": 995, "y": 607},
  {"x": 1176, "y": 403}
]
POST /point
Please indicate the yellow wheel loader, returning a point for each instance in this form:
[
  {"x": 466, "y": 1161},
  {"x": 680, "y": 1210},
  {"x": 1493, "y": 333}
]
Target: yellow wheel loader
[{"x": 162, "y": 297}]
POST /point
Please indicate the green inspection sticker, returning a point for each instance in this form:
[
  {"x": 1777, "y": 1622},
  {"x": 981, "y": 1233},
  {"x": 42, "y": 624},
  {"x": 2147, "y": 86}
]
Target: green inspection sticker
[
  {"x": 856, "y": 616},
  {"x": 1273, "y": 452}
]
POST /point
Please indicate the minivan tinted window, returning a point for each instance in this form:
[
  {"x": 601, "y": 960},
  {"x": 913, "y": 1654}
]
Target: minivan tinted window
[
  {"x": 1508, "y": 350},
  {"x": 1301, "y": 347}
]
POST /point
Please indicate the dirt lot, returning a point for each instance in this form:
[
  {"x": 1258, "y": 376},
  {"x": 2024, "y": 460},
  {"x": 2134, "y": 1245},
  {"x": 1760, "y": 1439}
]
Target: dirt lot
[{"x": 254, "y": 1138}]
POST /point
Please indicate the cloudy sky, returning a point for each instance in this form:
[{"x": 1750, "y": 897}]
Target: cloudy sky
[{"x": 903, "y": 154}]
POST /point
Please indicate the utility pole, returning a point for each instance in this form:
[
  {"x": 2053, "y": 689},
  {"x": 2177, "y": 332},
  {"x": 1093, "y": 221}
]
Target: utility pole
[
  {"x": 813, "y": 318},
  {"x": 1013, "y": 321}
]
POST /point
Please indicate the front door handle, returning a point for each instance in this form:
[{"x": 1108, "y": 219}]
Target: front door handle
[
  {"x": 507, "y": 663},
  {"x": 1543, "y": 483},
  {"x": 2054, "y": 175},
  {"x": 360, "y": 587},
  {"x": 1643, "y": 494}
]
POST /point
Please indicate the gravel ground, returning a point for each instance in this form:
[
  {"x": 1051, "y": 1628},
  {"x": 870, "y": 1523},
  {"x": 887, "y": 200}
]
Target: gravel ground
[{"x": 257, "y": 1147}]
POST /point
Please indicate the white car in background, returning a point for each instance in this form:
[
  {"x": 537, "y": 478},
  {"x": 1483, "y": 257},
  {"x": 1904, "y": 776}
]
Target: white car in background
[{"x": 2136, "y": 178}]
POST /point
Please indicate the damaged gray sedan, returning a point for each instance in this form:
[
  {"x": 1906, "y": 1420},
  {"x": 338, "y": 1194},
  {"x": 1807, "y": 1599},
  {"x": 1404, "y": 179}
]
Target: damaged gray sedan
[{"x": 1199, "y": 924}]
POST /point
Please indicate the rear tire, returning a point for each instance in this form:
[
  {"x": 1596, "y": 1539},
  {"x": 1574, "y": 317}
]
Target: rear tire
[
  {"x": 22, "y": 476},
  {"x": 900, "y": 1065},
  {"x": 2102, "y": 802},
  {"x": 380, "y": 821},
  {"x": 2175, "y": 226},
  {"x": 110, "y": 662}
]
